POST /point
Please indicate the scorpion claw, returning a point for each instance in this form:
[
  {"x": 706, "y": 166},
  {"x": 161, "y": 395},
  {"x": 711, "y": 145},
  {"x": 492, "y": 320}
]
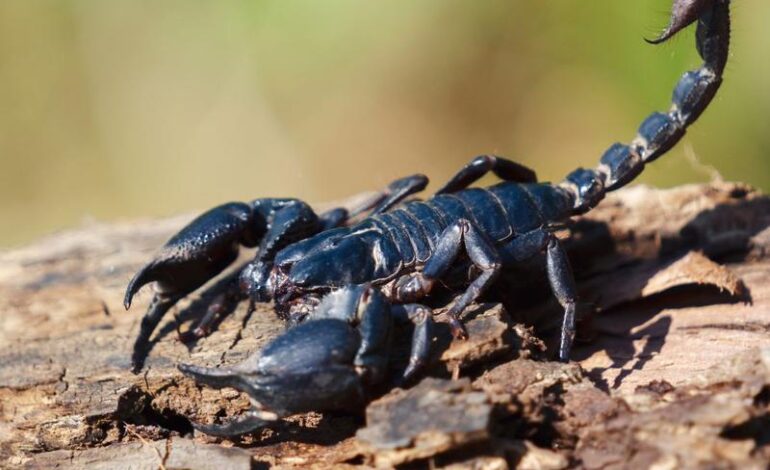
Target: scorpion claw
[
  {"x": 211, "y": 376},
  {"x": 145, "y": 276},
  {"x": 683, "y": 14},
  {"x": 457, "y": 327},
  {"x": 220, "y": 378},
  {"x": 248, "y": 422},
  {"x": 309, "y": 367}
]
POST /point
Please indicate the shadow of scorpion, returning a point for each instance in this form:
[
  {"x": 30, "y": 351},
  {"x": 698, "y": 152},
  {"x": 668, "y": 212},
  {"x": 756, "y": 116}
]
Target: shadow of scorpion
[{"x": 344, "y": 283}]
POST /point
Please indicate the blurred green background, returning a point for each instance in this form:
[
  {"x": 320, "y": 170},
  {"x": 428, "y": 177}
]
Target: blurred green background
[{"x": 128, "y": 108}]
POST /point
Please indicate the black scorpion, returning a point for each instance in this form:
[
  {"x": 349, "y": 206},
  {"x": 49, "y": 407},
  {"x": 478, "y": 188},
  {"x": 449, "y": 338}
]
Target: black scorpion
[{"x": 400, "y": 252}]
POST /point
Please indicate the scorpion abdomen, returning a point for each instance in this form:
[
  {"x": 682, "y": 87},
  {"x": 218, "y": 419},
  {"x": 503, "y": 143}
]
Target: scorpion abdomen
[{"x": 500, "y": 212}]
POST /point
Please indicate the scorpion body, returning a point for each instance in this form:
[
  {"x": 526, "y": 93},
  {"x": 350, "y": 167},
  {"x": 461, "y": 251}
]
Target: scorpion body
[{"x": 405, "y": 250}]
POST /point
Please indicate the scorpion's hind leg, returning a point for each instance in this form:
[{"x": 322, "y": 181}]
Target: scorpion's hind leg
[
  {"x": 393, "y": 194},
  {"x": 563, "y": 286},
  {"x": 560, "y": 276},
  {"x": 483, "y": 255},
  {"x": 503, "y": 168}
]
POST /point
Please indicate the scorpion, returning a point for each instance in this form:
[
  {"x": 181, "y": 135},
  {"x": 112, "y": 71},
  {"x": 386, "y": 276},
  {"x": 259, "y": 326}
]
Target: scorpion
[{"x": 343, "y": 277}]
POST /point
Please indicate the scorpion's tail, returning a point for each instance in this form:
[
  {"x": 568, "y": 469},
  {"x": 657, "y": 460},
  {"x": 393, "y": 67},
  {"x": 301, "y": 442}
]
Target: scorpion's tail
[{"x": 661, "y": 131}]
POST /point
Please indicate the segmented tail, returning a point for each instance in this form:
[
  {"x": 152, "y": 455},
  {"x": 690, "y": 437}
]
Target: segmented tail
[{"x": 621, "y": 163}]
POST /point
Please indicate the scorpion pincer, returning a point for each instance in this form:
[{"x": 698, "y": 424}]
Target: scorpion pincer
[
  {"x": 328, "y": 362},
  {"x": 380, "y": 259}
]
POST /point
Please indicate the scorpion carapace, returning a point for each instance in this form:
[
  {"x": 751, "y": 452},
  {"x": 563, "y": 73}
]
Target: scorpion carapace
[{"x": 403, "y": 249}]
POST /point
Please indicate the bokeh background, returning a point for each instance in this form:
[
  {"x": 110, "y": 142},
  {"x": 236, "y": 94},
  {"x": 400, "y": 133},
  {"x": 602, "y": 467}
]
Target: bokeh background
[{"x": 130, "y": 108}]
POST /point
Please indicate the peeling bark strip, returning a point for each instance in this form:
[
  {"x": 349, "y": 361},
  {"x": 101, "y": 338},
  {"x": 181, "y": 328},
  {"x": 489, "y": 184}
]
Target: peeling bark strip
[{"x": 677, "y": 373}]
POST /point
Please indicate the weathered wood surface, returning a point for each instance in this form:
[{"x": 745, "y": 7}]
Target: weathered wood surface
[{"x": 677, "y": 372}]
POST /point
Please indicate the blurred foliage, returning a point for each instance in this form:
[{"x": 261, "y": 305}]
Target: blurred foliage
[{"x": 127, "y": 108}]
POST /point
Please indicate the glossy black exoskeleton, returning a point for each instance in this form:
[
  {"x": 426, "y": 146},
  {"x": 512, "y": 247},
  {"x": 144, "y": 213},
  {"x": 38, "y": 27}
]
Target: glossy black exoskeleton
[{"x": 405, "y": 250}]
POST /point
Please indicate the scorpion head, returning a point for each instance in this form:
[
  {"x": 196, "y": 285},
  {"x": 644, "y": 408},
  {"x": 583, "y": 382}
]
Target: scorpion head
[{"x": 305, "y": 271}]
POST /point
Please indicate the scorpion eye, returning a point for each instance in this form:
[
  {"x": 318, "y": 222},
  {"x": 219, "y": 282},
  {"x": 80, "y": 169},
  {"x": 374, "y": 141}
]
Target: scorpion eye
[{"x": 333, "y": 242}]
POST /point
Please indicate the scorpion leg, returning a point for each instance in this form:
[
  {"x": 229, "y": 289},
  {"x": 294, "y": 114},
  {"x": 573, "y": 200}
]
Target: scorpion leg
[
  {"x": 224, "y": 302},
  {"x": 394, "y": 193},
  {"x": 367, "y": 307},
  {"x": 380, "y": 202},
  {"x": 376, "y": 317},
  {"x": 563, "y": 286},
  {"x": 482, "y": 254},
  {"x": 560, "y": 276},
  {"x": 503, "y": 168},
  {"x": 422, "y": 318},
  {"x": 159, "y": 305}
]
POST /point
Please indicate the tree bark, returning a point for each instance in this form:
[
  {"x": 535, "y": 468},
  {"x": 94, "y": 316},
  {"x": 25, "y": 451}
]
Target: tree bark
[{"x": 678, "y": 344}]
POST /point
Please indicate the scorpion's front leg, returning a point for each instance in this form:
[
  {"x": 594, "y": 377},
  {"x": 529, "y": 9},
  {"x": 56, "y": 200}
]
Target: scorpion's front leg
[
  {"x": 462, "y": 234},
  {"x": 368, "y": 308}
]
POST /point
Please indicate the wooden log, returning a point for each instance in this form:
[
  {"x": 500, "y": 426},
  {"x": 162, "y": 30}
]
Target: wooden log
[{"x": 680, "y": 279}]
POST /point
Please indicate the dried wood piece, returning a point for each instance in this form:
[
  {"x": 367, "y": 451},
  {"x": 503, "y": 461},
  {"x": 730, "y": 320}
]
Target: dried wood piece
[
  {"x": 489, "y": 336},
  {"x": 653, "y": 277},
  {"x": 706, "y": 426},
  {"x": 431, "y": 418},
  {"x": 694, "y": 268},
  {"x": 150, "y": 455}
]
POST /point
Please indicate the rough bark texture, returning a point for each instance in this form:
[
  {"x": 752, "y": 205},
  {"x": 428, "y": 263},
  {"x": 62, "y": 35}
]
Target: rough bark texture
[{"x": 674, "y": 370}]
